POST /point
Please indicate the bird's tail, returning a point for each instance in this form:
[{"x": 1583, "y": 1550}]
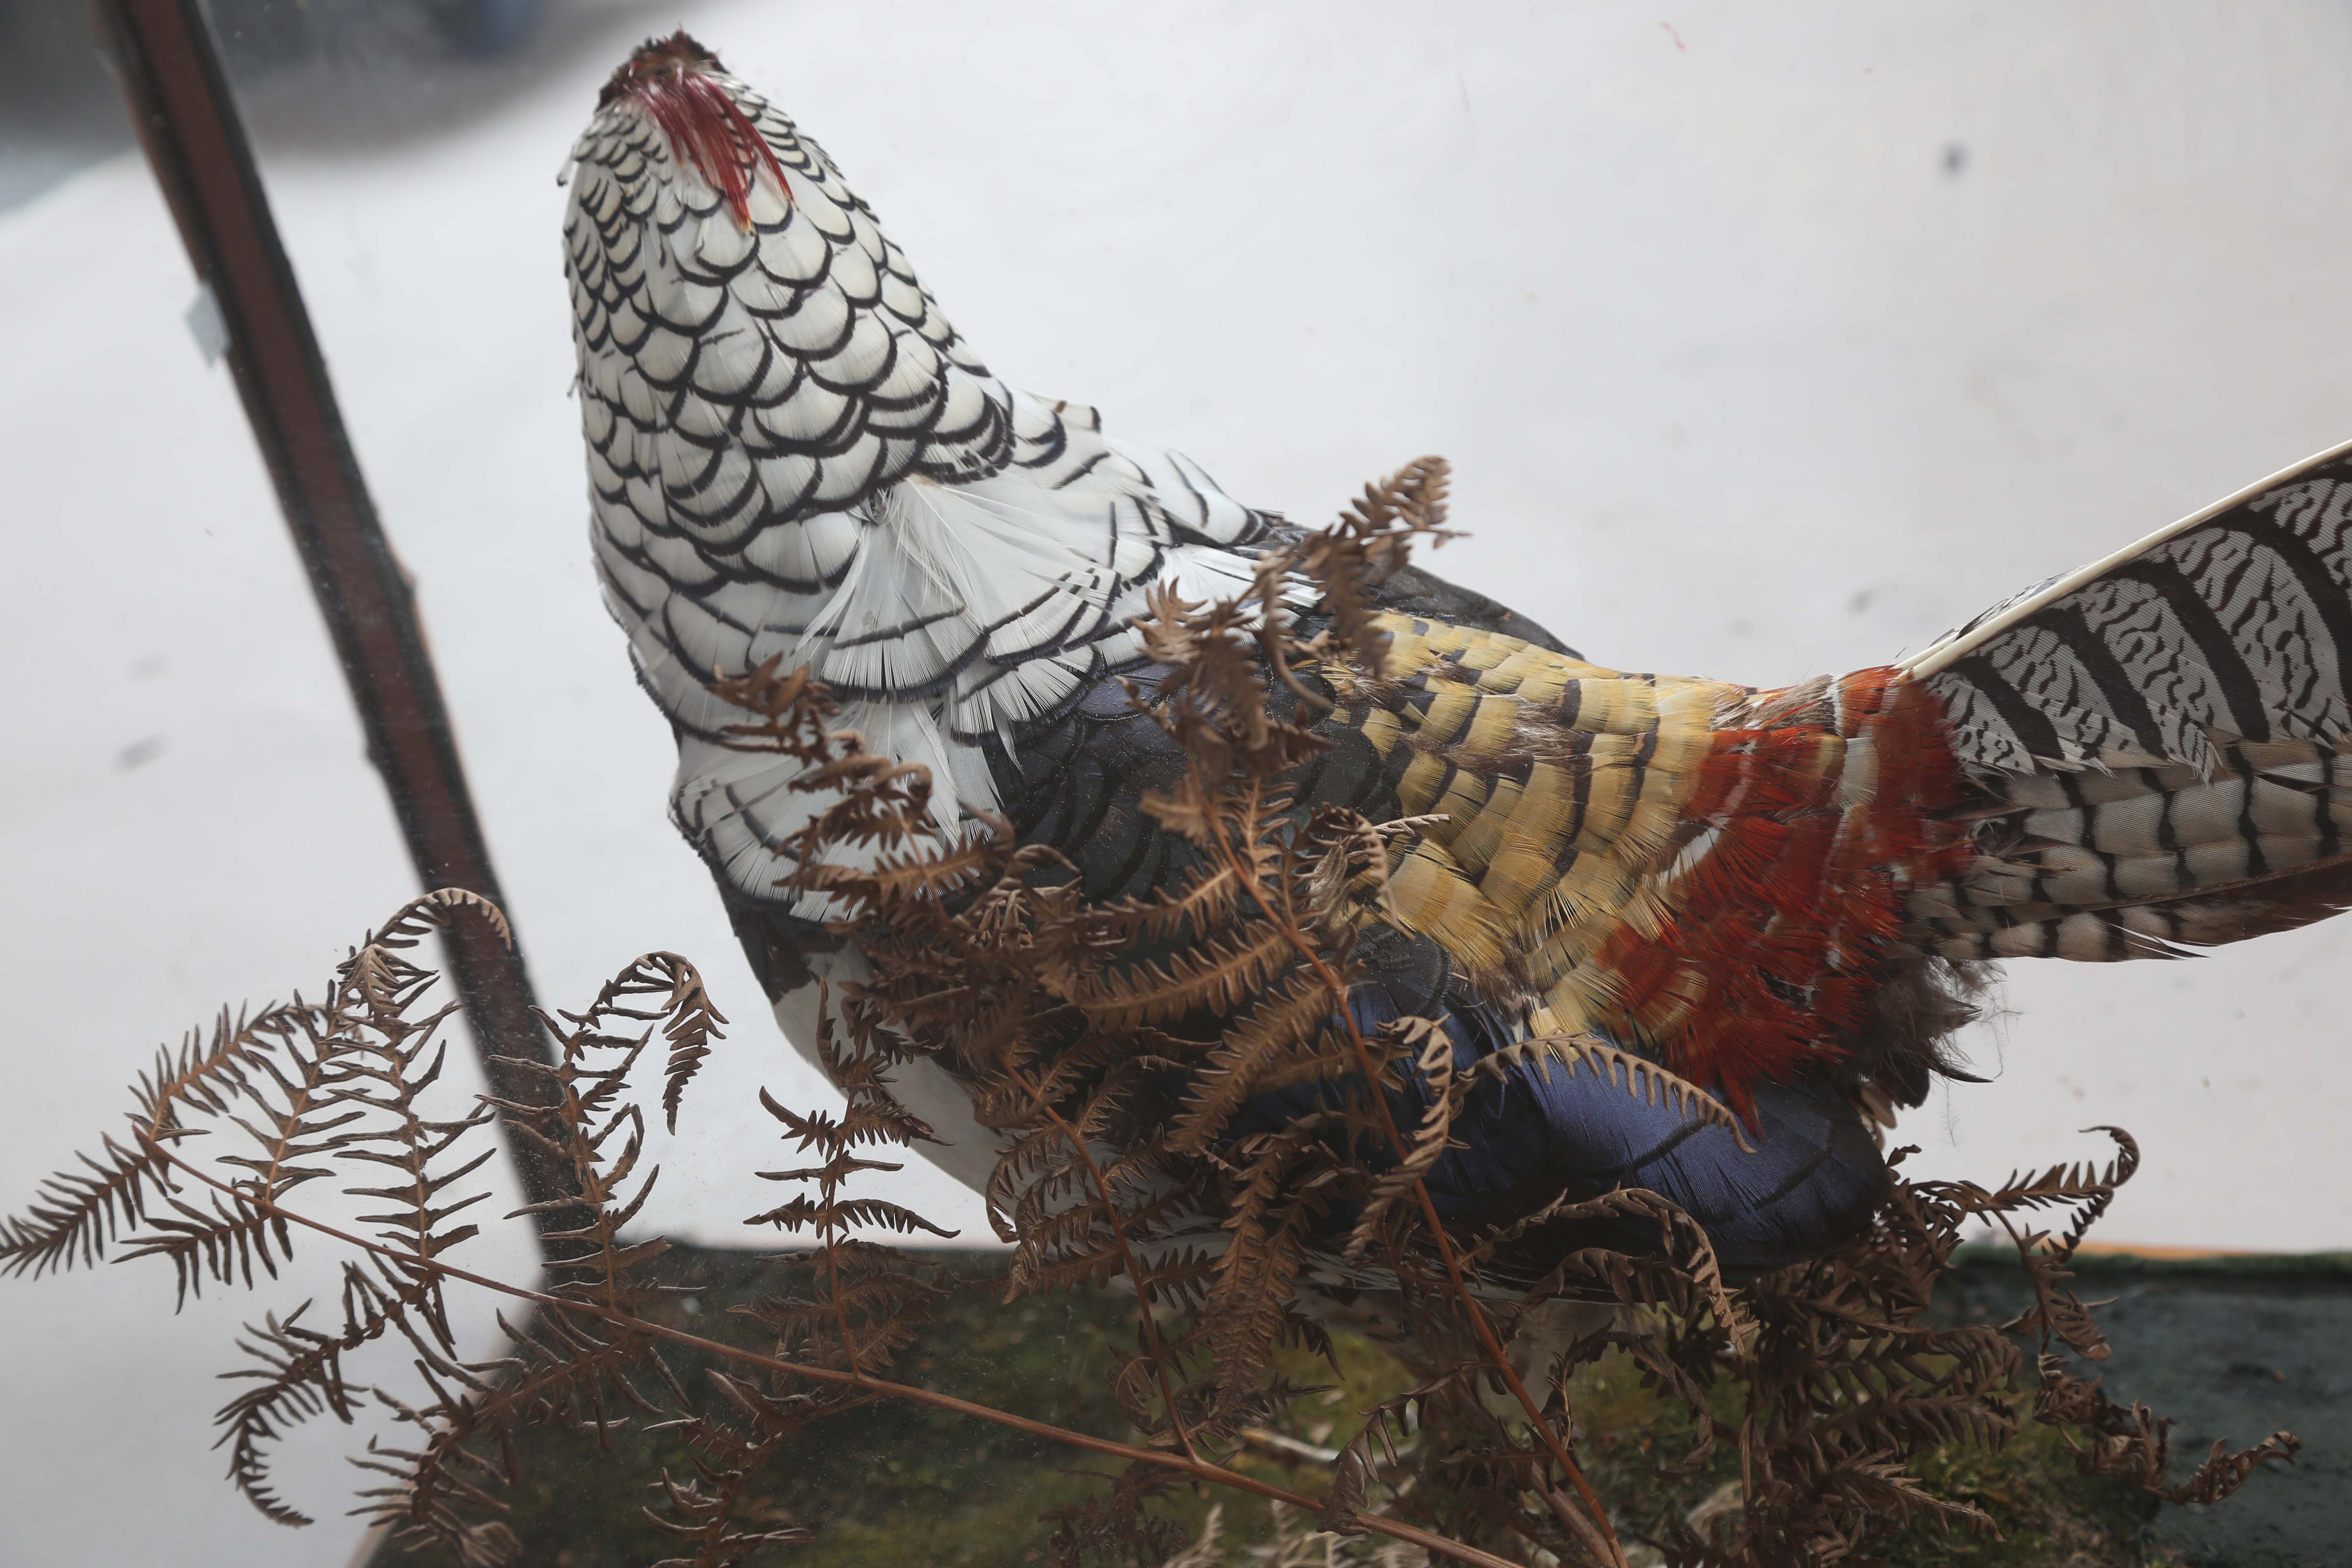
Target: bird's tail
[{"x": 2159, "y": 745}]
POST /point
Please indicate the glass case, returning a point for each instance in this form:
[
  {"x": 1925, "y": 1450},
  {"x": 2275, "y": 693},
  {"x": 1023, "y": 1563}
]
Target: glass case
[{"x": 1763, "y": 346}]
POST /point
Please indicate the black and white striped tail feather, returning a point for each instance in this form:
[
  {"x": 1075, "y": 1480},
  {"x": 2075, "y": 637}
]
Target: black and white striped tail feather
[
  {"x": 2231, "y": 630},
  {"x": 2159, "y": 738}
]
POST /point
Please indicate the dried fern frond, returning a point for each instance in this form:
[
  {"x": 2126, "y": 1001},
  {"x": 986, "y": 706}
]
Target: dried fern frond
[
  {"x": 300, "y": 1375},
  {"x": 594, "y": 1135},
  {"x": 2134, "y": 1445},
  {"x": 1628, "y": 1071},
  {"x": 79, "y": 1213},
  {"x": 347, "y": 1088}
]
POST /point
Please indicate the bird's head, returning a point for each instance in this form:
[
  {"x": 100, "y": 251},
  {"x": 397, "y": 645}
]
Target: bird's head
[
  {"x": 754, "y": 352},
  {"x": 682, "y": 88}
]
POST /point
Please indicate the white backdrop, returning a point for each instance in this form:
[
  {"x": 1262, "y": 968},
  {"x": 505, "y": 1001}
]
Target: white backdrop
[{"x": 1763, "y": 346}]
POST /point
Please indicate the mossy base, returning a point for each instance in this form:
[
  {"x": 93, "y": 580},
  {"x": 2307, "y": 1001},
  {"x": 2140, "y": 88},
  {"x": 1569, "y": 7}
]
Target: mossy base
[{"x": 893, "y": 1484}]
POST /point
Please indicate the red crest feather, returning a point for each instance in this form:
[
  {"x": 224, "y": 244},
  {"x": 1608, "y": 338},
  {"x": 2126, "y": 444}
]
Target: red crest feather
[{"x": 707, "y": 129}]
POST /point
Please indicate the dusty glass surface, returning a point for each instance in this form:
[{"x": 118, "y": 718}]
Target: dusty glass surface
[
  {"x": 186, "y": 786},
  {"x": 1762, "y": 347}
]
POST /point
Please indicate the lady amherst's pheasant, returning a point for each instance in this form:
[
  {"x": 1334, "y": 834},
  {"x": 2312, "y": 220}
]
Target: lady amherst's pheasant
[{"x": 1778, "y": 894}]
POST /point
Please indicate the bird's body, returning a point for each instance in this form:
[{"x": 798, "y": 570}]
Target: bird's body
[{"x": 1779, "y": 895}]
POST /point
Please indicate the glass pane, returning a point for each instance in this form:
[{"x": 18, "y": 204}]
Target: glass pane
[
  {"x": 190, "y": 818},
  {"x": 1762, "y": 349}
]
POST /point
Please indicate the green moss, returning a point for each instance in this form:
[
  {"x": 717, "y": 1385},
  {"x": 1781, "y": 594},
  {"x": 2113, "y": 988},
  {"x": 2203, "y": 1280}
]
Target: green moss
[
  {"x": 2047, "y": 1515},
  {"x": 889, "y": 1483},
  {"x": 892, "y": 1485}
]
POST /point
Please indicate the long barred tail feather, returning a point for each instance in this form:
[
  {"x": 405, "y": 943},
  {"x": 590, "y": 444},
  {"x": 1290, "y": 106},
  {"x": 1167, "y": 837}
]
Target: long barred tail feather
[{"x": 2159, "y": 745}]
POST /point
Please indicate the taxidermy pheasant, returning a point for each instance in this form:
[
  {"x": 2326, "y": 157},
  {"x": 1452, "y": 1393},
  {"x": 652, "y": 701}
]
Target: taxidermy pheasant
[{"x": 1779, "y": 895}]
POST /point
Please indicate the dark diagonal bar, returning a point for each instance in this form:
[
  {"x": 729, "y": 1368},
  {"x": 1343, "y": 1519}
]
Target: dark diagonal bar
[{"x": 171, "y": 71}]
